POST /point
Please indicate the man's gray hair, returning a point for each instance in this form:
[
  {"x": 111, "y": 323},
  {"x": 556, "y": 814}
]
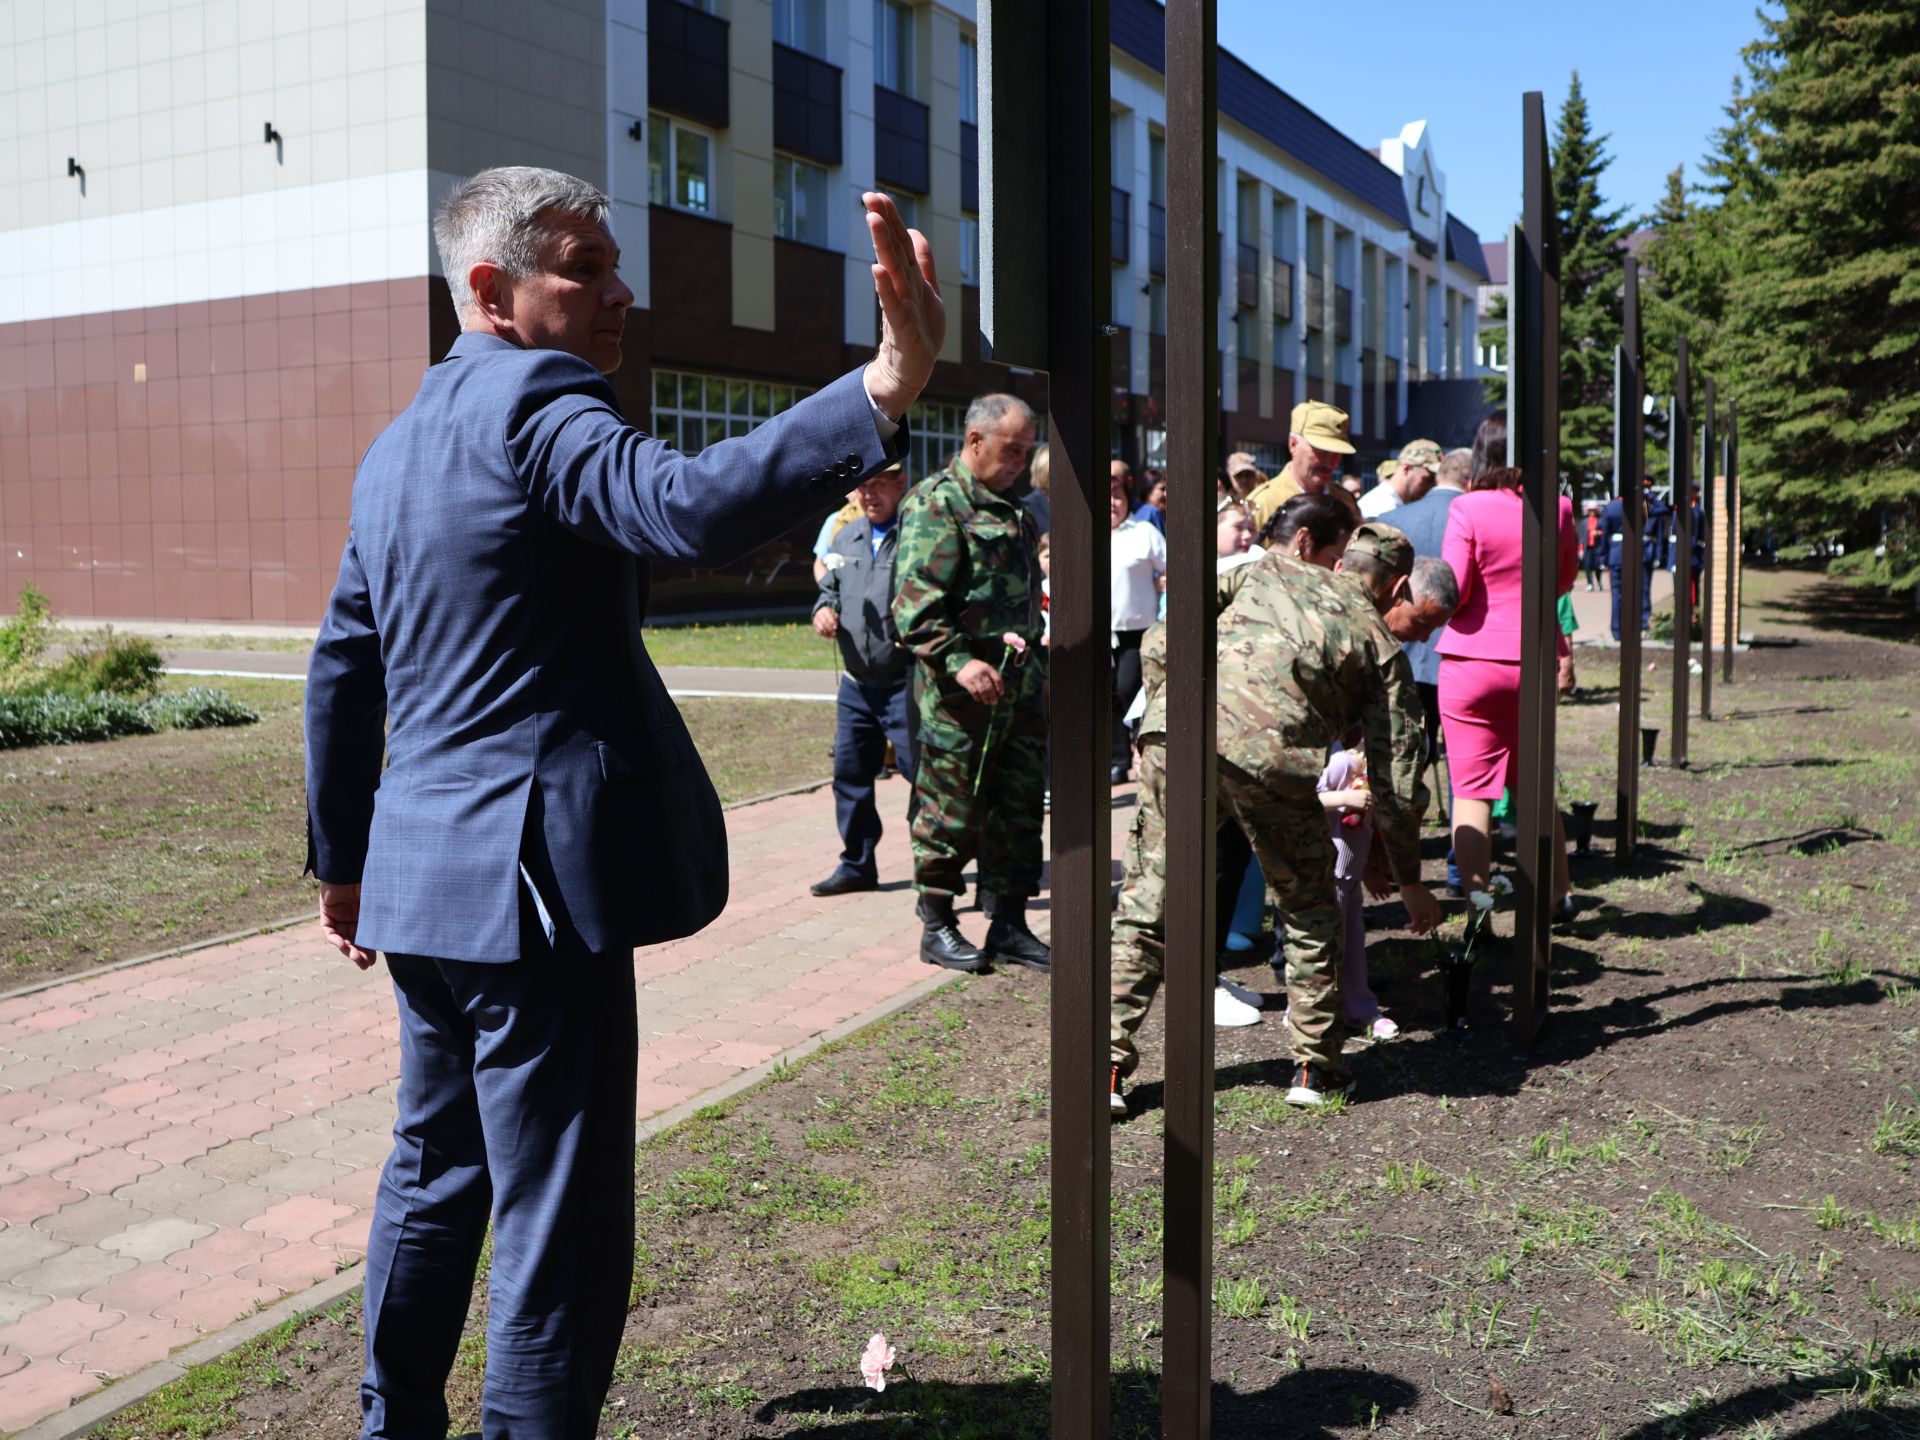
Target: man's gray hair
[
  {"x": 505, "y": 216},
  {"x": 1434, "y": 583},
  {"x": 1457, "y": 464},
  {"x": 987, "y": 411}
]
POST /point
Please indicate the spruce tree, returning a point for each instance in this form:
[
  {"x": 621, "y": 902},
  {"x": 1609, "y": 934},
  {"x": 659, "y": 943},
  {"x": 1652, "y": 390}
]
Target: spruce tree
[
  {"x": 1592, "y": 242},
  {"x": 1821, "y": 337}
]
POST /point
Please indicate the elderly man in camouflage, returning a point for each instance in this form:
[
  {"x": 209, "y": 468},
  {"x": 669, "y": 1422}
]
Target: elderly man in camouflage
[
  {"x": 1304, "y": 655},
  {"x": 967, "y": 575}
]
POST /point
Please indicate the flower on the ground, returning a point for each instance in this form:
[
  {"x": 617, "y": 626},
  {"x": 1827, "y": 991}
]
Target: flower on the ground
[
  {"x": 1500, "y": 885},
  {"x": 875, "y": 1361},
  {"x": 1481, "y": 900}
]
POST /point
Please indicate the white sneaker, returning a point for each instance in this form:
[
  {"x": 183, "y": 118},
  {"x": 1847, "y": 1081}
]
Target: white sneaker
[{"x": 1231, "y": 1012}]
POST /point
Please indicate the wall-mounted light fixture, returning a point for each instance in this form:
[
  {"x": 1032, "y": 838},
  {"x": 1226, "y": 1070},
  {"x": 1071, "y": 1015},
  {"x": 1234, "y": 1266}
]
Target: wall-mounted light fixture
[
  {"x": 74, "y": 167},
  {"x": 273, "y": 135},
  {"x": 636, "y": 130}
]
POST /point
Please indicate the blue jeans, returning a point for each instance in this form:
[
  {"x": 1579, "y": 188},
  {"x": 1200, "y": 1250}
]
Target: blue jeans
[
  {"x": 515, "y": 1103},
  {"x": 867, "y": 717}
]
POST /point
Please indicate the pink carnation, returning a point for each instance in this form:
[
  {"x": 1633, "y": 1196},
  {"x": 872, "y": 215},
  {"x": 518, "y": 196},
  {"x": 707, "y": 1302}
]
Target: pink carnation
[
  {"x": 1015, "y": 643},
  {"x": 875, "y": 1361}
]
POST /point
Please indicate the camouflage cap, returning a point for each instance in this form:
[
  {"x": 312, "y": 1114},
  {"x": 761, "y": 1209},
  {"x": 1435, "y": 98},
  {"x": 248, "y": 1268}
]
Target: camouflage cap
[
  {"x": 1385, "y": 544},
  {"x": 1424, "y": 453},
  {"x": 1240, "y": 462},
  {"x": 1322, "y": 426}
]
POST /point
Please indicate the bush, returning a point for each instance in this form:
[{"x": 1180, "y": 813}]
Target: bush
[
  {"x": 54, "y": 719},
  {"x": 101, "y": 663},
  {"x": 23, "y": 634}
]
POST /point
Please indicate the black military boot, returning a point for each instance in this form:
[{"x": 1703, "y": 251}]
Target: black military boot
[
  {"x": 1008, "y": 937},
  {"x": 941, "y": 943}
]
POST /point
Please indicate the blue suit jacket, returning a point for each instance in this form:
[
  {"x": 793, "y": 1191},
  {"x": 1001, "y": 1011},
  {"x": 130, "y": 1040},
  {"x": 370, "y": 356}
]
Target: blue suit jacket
[
  {"x": 1424, "y": 522},
  {"x": 485, "y": 632}
]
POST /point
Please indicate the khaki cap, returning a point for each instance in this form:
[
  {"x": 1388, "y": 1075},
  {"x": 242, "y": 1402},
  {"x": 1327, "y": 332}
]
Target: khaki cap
[
  {"x": 1322, "y": 426},
  {"x": 1387, "y": 468},
  {"x": 1240, "y": 461},
  {"x": 1424, "y": 453},
  {"x": 1385, "y": 544}
]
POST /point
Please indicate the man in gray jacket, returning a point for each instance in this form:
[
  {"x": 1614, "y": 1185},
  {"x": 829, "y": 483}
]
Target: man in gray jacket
[{"x": 856, "y": 608}]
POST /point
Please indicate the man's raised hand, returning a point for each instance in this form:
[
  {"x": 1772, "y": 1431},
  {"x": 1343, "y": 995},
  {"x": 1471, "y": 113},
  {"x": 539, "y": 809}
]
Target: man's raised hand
[{"x": 913, "y": 317}]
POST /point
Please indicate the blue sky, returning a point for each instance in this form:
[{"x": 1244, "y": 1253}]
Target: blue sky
[{"x": 1656, "y": 73}]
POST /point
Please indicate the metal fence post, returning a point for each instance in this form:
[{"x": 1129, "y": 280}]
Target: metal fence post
[
  {"x": 1534, "y": 445},
  {"x": 1707, "y": 458},
  {"x": 1680, "y": 455},
  {"x": 1193, "y": 417},
  {"x": 1734, "y": 541},
  {"x": 1629, "y": 460},
  {"x": 1079, "y": 400}
]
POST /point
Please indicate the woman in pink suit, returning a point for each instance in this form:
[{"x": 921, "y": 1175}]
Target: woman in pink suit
[{"x": 1480, "y": 665}]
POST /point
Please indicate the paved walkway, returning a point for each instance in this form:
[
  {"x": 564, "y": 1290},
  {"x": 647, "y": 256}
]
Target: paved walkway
[
  {"x": 1594, "y": 608},
  {"x": 184, "y": 1140}
]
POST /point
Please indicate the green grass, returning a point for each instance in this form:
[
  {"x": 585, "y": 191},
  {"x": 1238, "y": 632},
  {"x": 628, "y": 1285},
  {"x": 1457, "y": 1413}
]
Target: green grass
[{"x": 753, "y": 645}]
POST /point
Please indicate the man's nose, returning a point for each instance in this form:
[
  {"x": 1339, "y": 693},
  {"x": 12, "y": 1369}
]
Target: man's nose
[{"x": 619, "y": 295}]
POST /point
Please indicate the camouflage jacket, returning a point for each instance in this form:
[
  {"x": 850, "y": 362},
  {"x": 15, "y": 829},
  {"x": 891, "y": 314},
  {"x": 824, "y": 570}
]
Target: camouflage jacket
[
  {"x": 966, "y": 572},
  {"x": 1304, "y": 656}
]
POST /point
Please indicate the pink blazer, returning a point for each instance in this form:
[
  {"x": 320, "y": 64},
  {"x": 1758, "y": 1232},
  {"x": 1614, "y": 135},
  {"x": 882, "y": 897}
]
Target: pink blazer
[{"x": 1483, "y": 547}]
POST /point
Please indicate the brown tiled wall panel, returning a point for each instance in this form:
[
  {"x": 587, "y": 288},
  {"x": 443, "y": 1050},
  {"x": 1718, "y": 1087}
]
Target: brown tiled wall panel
[{"x": 217, "y": 488}]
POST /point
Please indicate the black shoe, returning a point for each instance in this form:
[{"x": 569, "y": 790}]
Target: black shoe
[
  {"x": 941, "y": 942},
  {"x": 1118, "y": 775},
  {"x": 1565, "y": 913},
  {"x": 1008, "y": 937},
  {"x": 845, "y": 882}
]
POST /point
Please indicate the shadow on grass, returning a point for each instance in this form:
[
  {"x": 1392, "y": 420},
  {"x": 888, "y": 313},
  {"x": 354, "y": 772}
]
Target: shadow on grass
[
  {"x": 1743, "y": 1413},
  {"x": 1850, "y": 610},
  {"x": 1821, "y": 841},
  {"x": 1312, "y": 1404}
]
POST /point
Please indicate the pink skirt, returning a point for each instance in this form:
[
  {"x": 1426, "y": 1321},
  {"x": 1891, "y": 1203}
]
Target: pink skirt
[{"x": 1480, "y": 718}]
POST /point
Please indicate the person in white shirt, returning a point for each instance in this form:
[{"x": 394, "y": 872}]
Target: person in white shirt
[
  {"x": 1411, "y": 480},
  {"x": 1139, "y": 554}
]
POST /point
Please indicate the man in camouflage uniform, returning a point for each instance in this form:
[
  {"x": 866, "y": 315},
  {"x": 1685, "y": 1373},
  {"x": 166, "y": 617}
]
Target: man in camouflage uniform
[
  {"x": 966, "y": 575},
  {"x": 1303, "y": 656}
]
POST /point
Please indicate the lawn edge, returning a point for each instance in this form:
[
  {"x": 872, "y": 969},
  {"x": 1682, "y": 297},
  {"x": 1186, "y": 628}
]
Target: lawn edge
[{"x": 90, "y": 1411}]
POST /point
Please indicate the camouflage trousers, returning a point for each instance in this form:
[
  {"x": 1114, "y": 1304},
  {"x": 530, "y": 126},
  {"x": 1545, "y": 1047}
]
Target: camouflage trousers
[
  {"x": 1292, "y": 842},
  {"x": 1000, "y": 826}
]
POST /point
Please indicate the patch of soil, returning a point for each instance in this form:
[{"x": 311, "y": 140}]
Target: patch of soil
[{"x": 1690, "y": 1211}]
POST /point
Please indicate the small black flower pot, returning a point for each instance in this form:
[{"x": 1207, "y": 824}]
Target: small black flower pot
[
  {"x": 1649, "y": 739},
  {"x": 1583, "y": 813},
  {"x": 1457, "y": 973}
]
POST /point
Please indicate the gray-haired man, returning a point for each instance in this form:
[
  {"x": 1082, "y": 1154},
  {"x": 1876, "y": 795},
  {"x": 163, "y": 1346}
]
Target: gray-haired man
[{"x": 542, "y": 810}]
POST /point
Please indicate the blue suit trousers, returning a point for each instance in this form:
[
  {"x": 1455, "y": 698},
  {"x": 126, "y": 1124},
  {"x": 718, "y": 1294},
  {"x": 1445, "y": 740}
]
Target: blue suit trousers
[
  {"x": 516, "y": 1104},
  {"x": 867, "y": 717}
]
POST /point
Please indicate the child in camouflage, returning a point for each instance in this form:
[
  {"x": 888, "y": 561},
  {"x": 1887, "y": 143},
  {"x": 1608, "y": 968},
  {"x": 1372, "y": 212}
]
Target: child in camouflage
[{"x": 1348, "y": 801}]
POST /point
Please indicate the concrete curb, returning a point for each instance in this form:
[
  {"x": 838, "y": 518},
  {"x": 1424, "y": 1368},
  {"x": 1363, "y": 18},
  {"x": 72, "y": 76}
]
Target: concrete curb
[{"x": 89, "y": 1411}]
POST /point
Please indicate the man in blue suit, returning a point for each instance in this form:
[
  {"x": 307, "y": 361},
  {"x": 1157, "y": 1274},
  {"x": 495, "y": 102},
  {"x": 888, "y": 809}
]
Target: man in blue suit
[{"x": 542, "y": 810}]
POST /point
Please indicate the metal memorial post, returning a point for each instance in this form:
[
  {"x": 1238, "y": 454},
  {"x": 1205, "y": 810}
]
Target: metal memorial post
[
  {"x": 1046, "y": 83},
  {"x": 1680, "y": 442},
  {"x": 1731, "y": 539},
  {"x": 1707, "y": 457},
  {"x": 1193, "y": 289},
  {"x": 1629, "y": 460},
  {"x": 1533, "y": 444}
]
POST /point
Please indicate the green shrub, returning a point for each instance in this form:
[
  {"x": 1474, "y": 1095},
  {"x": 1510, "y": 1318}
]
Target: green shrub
[
  {"x": 54, "y": 719},
  {"x": 23, "y": 634},
  {"x": 100, "y": 663}
]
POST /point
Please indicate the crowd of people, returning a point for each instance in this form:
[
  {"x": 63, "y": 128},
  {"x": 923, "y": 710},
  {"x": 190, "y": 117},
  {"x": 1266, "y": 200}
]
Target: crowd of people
[{"x": 1364, "y": 643}]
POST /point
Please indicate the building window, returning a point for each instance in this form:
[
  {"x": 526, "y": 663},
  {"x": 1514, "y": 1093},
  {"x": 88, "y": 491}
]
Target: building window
[
  {"x": 1157, "y": 306},
  {"x": 938, "y": 433},
  {"x": 1156, "y": 168},
  {"x": 907, "y": 203},
  {"x": 679, "y": 164},
  {"x": 1246, "y": 336},
  {"x": 969, "y": 80},
  {"x": 692, "y": 411},
  {"x": 799, "y": 200},
  {"x": 801, "y": 25},
  {"x": 969, "y": 250},
  {"x": 893, "y": 45}
]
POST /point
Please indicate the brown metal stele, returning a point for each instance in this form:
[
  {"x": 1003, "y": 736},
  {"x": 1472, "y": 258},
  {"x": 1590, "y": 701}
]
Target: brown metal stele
[
  {"x": 1731, "y": 539},
  {"x": 1706, "y": 566},
  {"x": 1680, "y": 450},
  {"x": 1193, "y": 389},
  {"x": 1629, "y": 452},
  {"x": 1533, "y": 444}
]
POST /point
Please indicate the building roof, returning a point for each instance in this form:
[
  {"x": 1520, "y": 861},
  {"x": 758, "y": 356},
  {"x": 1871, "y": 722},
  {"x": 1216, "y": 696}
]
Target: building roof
[
  {"x": 1447, "y": 412},
  {"x": 1464, "y": 246},
  {"x": 1496, "y": 256},
  {"x": 1139, "y": 27}
]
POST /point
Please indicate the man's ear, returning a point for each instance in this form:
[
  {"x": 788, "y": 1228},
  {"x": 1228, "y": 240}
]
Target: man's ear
[{"x": 492, "y": 292}]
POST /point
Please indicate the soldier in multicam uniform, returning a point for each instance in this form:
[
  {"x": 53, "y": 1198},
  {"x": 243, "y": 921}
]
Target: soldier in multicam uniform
[
  {"x": 966, "y": 575},
  {"x": 1303, "y": 656}
]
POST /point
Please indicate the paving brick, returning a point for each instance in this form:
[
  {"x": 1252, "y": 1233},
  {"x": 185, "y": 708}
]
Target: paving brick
[
  {"x": 22, "y": 1247},
  {"x": 304, "y": 1175},
  {"x": 172, "y": 1144},
  {"x": 46, "y": 1332},
  {"x": 76, "y": 1271},
  {"x": 300, "y": 1265},
  {"x": 105, "y": 1171},
  {"x": 155, "y": 1239},
  {"x": 240, "y": 1121},
  {"x": 225, "y": 1251},
  {"x": 15, "y": 1303},
  {"x": 230, "y": 1204},
  {"x": 168, "y": 1191},
  {"x": 133, "y": 1344},
  {"x": 348, "y": 1239},
  {"x": 41, "y": 1389},
  {"x": 27, "y": 1200},
  {"x": 237, "y": 1160},
  {"x": 183, "y": 1107},
  {"x": 118, "y": 1130},
  {"x": 92, "y": 1220},
  {"x": 218, "y": 1303},
  {"x": 75, "y": 1085},
  {"x": 299, "y": 1218},
  {"x": 139, "y": 1064}
]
